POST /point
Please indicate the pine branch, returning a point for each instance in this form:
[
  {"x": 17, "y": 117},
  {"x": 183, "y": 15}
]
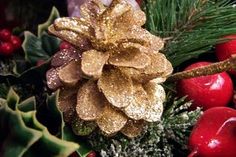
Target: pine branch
[
  {"x": 194, "y": 26},
  {"x": 159, "y": 140}
]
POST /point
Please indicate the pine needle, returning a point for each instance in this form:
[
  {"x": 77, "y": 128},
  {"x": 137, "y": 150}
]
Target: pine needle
[{"x": 194, "y": 26}]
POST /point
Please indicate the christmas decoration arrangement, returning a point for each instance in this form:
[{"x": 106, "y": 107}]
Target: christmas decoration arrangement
[{"x": 118, "y": 78}]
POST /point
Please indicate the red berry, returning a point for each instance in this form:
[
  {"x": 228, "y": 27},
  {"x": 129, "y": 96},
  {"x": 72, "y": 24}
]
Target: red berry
[
  {"x": 6, "y": 48},
  {"x": 16, "y": 42},
  {"x": 5, "y": 35},
  {"x": 65, "y": 45},
  {"x": 214, "y": 134},
  {"x": 91, "y": 154},
  {"x": 207, "y": 91},
  {"x": 74, "y": 155},
  {"x": 227, "y": 49}
]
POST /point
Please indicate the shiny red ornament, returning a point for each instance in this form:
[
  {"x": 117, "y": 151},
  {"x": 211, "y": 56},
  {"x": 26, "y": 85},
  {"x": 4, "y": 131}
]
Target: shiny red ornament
[
  {"x": 64, "y": 45},
  {"x": 6, "y": 48},
  {"x": 227, "y": 49},
  {"x": 206, "y": 91},
  {"x": 16, "y": 42},
  {"x": 5, "y": 35},
  {"x": 214, "y": 134}
]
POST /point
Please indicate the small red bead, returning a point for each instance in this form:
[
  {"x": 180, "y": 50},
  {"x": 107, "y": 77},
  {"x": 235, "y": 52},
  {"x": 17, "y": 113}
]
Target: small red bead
[
  {"x": 207, "y": 91},
  {"x": 92, "y": 154},
  {"x": 6, "y": 48},
  {"x": 16, "y": 42},
  {"x": 5, "y": 35},
  {"x": 65, "y": 45},
  {"x": 227, "y": 49}
]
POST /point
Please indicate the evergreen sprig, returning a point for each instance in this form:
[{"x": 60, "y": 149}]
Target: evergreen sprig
[
  {"x": 160, "y": 139},
  {"x": 193, "y": 27}
]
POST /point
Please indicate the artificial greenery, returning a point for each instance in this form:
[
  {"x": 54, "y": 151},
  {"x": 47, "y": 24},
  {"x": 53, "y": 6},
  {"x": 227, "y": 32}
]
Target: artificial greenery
[
  {"x": 161, "y": 139},
  {"x": 191, "y": 27}
]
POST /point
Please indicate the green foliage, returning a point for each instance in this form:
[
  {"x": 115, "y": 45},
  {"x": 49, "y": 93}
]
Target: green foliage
[
  {"x": 160, "y": 139},
  {"x": 22, "y": 135},
  {"x": 192, "y": 26},
  {"x": 43, "y": 46}
]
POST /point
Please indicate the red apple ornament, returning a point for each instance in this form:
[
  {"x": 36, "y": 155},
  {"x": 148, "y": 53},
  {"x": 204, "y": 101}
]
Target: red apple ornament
[
  {"x": 214, "y": 134},
  {"x": 227, "y": 49},
  {"x": 206, "y": 91}
]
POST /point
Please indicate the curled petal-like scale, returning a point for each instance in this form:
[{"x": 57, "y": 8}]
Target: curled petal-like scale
[
  {"x": 116, "y": 9},
  {"x": 65, "y": 56},
  {"x": 67, "y": 99},
  {"x": 159, "y": 67},
  {"x": 92, "y": 63},
  {"x": 70, "y": 74},
  {"x": 131, "y": 17},
  {"x": 133, "y": 128},
  {"x": 53, "y": 80},
  {"x": 71, "y": 37},
  {"x": 67, "y": 102},
  {"x": 90, "y": 101},
  {"x": 92, "y": 9},
  {"x": 117, "y": 88},
  {"x": 77, "y": 25},
  {"x": 156, "y": 94},
  {"x": 130, "y": 58},
  {"x": 137, "y": 109},
  {"x": 112, "y": 120}
]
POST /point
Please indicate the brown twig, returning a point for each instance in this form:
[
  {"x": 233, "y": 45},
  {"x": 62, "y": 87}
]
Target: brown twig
[{"x": 206, "y": 70}]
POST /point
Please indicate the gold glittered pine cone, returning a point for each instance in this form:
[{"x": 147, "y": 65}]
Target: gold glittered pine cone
[{"x": 115, "y": 69}]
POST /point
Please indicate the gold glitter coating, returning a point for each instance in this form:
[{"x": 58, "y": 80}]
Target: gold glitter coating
[
  {"x": 116, "y": 87},
  {"x": 130, "y": 57},
  {"x": 90, "y": 102},
  {"x": 70, "y": 74},
  {"x": 53, "y": 80},
  {"x": 67, "y": 98},
  {"x": 121, "y": 66},
  {"x": 112, "y": 120},
  {"x": 156, "y": 95},
  {"x": 133, "y": 128},
  {"x": 67, "y": 102},
  {"x": 159, "y": 67},
  {"x": 137, "y": 109},
  {"x": 92, "y": 63},
  {"x": 91, "y": 10},
  {"x": 65, "y": 56},
  {"x": 71, "y": 37}
]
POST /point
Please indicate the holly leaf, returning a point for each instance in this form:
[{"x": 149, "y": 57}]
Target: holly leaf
[
  {"x": 42, "y": 46},
  {"x": 68, "y": 135},
  {"x": 44, "y": 26},
  {"x": 22, "y": 135},
  {"x": 66, "y": 132}
]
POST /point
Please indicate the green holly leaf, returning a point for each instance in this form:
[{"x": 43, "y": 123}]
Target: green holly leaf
[
  {"x": 39, "y": 48},
  {"x": 22, "y": 135},
  {"x": 42, "y": 46},
  {"x": 66, "y": 132},
  {"x": 12, "y": 99},
  {"x": 15, "y": 137},
  {"x": 68, "y": 135},
  {"x": 44, "y": 26}
]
